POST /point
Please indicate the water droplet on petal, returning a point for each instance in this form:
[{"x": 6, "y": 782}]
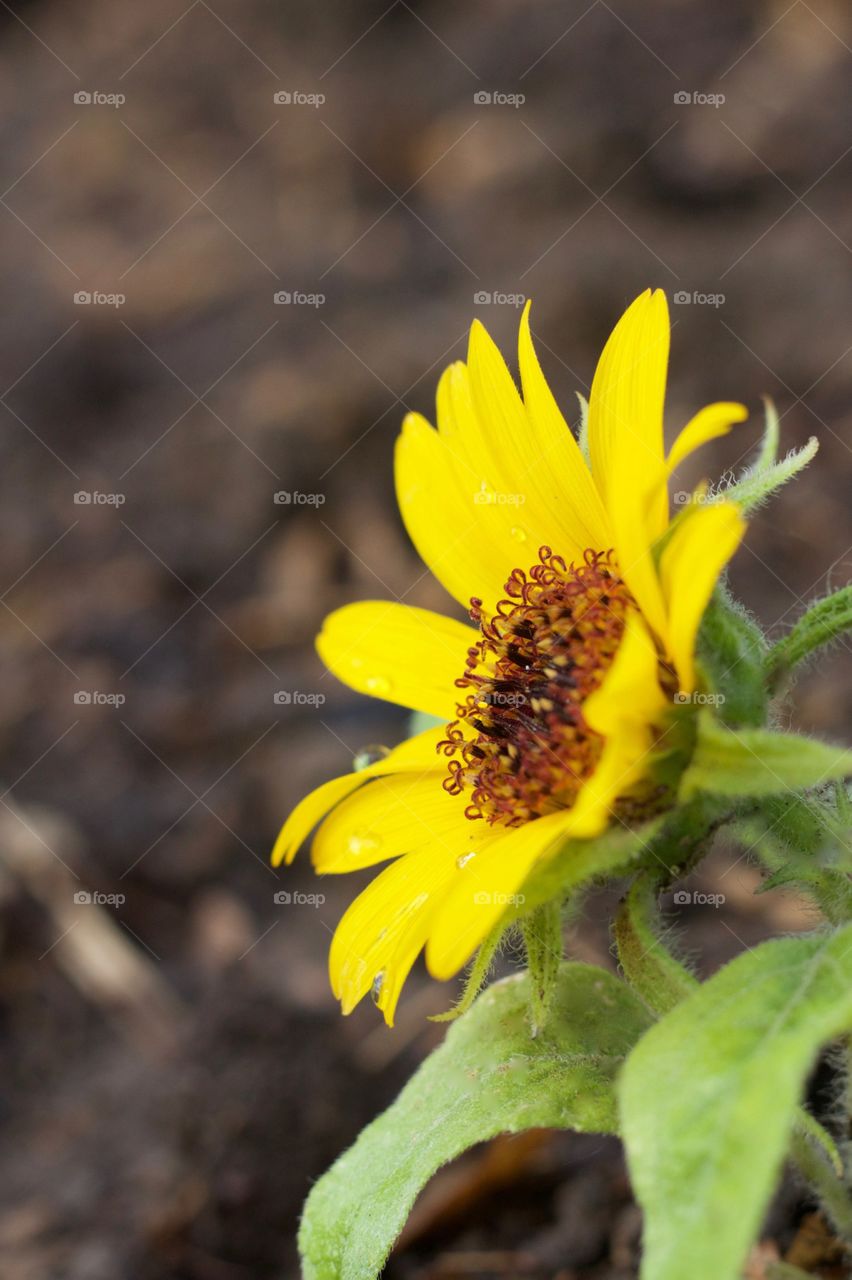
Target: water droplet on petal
[
  {"x": 380, "y": 685},
  {"x": 376, "y": 988},
  {"x": 463, "y": 859},
  {"x": 371, "y": 754},
  {"x": 361, "y": 843},
  {"x": 519, "y": 533}
]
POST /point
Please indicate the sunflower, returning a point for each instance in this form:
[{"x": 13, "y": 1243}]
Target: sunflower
[{"x": 556, "y": 700}]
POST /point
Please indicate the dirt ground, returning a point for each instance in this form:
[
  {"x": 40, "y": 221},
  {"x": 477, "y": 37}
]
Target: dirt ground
[{"x": 175, "y": 1073}]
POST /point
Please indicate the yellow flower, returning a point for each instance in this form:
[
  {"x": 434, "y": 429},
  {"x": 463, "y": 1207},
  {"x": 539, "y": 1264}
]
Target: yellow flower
[{"x": 585, "y": 600}]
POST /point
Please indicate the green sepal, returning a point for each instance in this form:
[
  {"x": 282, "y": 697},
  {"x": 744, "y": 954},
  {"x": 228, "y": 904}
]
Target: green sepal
[
  {"x": 731, "y": 654},
  {"x": 488, "y": 1077},
  {"x": 476, "y": 977},
  {"x": 766, "y": 475},
  {"x": 650, "y": 968},
  {"x": 823, "y": 623},
  {"x": 758, "y": 762},
  {"x": 542, "y": 932}
]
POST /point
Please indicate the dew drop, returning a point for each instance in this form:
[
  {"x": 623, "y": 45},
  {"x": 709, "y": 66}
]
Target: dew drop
[
  {"x": 376, "y": 988},
  {"x": 371, "y": 754},
  {"x": 378, "y": 684},
  {"x": 519, "y": 533},
  {"x": 361, "y": 843},
  {"x": 463, "y": 859}
]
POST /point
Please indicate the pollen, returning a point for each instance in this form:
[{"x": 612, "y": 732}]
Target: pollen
[{"x": 520, "y": 747}]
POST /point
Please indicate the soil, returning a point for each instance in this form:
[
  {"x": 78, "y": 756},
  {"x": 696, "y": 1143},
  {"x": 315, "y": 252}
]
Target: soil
[{"x": 174, "y": 1071}]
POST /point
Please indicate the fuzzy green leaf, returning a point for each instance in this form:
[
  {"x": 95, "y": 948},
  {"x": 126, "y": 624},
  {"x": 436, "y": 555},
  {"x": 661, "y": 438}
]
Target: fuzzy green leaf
[
  {"x": 758, "y": 762},
  {"x": 824, "y": 622},
  {"x": 765, "y": 475},
  {"x": 488, "y": 1077},
  {"x": 709, "y": 1099}
]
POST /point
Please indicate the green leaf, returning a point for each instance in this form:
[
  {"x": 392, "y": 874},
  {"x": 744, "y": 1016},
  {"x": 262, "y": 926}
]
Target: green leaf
[
  {"x": 802, "y": 842},
  {"x": 824, "y": 621},
  {"x": 732, "y": 657},
  {"x": 709, "y": 1099},
  {"x": 488, "y": 1077},
  {"x": 758, "y": 762}
]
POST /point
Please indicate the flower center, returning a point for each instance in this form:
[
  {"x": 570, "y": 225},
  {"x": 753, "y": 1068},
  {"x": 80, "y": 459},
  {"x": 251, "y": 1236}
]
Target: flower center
[{"x": 520, "y": 745}]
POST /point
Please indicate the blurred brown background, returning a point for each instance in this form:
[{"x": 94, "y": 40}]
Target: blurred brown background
[{"x": 174, "y": 1070}]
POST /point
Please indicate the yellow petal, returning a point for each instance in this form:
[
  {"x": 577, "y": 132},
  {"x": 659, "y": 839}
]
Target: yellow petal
[
  {"x": 440, "y": 501},
  {"x": 709, "y": 423},
  {"x": 699, "y": 548},
  {"x": 486, "y": 887},
  {"x": 416, "y": 754},
  {"x": 578, "y": 504},
  {"x": 393, "y": 815},
  {"x": 630, "y": 692},
  {"x": 531, "y": 454},
  {"x": 384, "y": 929},
  {"x": 624, "y": 709},
  {"x": 626, "y": 443},
  {"x": 399, "y": 653}
]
